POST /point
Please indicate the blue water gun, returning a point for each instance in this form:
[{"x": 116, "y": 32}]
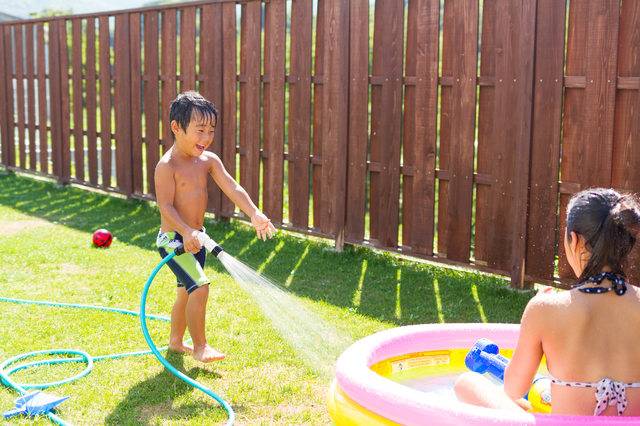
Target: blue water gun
[{"x": 484, "y": 357}]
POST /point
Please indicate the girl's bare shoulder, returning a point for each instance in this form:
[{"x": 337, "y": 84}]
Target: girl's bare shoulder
[{"x": 548, "y": 304}]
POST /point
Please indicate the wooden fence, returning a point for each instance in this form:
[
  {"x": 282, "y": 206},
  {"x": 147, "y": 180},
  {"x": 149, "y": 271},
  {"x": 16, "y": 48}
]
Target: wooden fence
[{"x": 449, "y": 130}]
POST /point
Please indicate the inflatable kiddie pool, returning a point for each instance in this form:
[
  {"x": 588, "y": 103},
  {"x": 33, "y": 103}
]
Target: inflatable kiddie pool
[{"x": 363, "y": 395}]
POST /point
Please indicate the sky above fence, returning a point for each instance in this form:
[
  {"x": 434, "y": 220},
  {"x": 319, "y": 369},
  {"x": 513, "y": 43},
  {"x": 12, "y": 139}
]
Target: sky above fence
[{"x": 23, "y": 7}]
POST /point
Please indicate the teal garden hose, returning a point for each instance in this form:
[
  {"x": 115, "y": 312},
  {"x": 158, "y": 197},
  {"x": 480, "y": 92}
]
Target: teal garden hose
[
  {"x": 178, "y": 251},
  {"x": 89, "y": 360}
]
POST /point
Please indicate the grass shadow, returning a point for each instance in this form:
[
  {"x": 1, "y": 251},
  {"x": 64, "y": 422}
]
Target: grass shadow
[
  {"x": 364, "y": 282},
  {"x": 153, "y": 401}
]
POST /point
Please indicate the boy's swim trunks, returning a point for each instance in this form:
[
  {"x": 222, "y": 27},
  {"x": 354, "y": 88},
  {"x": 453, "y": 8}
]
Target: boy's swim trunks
[{"x": 187, "y": 267}]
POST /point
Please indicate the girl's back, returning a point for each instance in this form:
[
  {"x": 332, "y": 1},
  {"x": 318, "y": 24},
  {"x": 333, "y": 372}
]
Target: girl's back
[{"x": 590, "y": 337}]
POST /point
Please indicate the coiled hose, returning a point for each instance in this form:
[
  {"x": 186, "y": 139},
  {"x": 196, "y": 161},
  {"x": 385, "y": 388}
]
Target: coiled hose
[{"x": 89, "y": 360}]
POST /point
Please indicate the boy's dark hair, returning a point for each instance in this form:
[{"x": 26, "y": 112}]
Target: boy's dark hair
[
  {"x": 609, "y": 223},
  {"x": 190, "y": 105}
]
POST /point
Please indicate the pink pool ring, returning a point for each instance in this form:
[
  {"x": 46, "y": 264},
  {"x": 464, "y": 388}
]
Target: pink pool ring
[{"x": 375, "y": 400}]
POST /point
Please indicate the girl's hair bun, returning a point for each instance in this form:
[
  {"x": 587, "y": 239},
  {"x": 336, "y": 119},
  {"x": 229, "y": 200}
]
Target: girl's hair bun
[{"x": 609, "y": 223}]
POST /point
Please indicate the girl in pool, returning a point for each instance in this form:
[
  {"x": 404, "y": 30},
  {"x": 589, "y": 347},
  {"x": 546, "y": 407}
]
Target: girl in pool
[{"x": 589, "y": 335}]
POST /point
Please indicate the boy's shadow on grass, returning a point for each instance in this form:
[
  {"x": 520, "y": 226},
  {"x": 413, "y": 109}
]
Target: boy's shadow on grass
[{"x": 154, "y": 398}]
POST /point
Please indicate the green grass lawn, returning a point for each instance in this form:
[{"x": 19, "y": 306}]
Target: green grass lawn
[{"x": 46, "y": 254}]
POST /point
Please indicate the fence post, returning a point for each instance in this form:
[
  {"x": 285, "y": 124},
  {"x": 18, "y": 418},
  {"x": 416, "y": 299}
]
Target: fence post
[
  {"x": 122, "y": 104},
  {"x": 523, "y": 140},
  {"x": 335, "y": 116}
]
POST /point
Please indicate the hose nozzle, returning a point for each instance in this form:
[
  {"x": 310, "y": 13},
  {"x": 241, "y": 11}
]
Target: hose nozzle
[{"x": 209, "y": 244}]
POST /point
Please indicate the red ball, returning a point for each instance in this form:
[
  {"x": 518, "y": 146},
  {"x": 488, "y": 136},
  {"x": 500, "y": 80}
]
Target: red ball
[{"x": 102, "y": 238}]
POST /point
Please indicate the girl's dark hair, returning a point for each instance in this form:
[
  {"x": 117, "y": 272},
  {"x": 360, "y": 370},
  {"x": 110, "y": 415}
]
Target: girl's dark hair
[
  {"x": 609, "y": 223},
  {"x": 189, "y": 105}
]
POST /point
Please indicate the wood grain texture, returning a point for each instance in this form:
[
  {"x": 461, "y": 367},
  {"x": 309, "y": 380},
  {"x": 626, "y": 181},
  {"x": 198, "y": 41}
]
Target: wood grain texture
[
  {"x": 274, "y": 111},
  {"x": 91, "y": 100},
  {"x": 105, "y": 100},
  {"x": 358, "y": 120},
  {"x": 300, "y": 113},
  {"x": 151, "y": 97},
  {"x": 426, "y": 108},
  {"x": 6, "y": 100},
  {"x": 78, "y": 98},
  {"x": 546, "y": 139},
  {"x": 122, "y": 104},
  {"x": 465, "y": 55}
]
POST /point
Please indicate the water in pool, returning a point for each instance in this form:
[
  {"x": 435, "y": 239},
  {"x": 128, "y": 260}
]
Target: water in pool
[{"x": 436, "y": 380}]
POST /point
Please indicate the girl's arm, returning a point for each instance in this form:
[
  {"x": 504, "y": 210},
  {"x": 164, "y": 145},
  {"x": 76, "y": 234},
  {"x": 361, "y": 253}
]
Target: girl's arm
[{"x": 527, "y": 355}]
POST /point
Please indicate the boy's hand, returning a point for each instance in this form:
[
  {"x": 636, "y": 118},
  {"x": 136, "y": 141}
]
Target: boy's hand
[
  {"x": 191, "y": 243},
  {"x": 263, "y": 226}
]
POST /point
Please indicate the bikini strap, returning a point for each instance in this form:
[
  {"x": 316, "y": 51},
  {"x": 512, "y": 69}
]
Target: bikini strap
[
  {"x": 608, "y": 392},
  {"x": 619, "y": 285}
]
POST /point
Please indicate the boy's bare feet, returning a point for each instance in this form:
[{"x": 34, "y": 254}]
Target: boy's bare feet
[
  {"x": 181, "y": 348},
  {"x": 207, "y": 354}
]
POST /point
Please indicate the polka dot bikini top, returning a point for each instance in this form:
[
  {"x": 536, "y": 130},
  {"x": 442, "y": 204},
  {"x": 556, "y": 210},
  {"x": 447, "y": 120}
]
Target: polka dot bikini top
[
  {"x": 619, "y": 285},
  {"x": 608, "y": 392}
]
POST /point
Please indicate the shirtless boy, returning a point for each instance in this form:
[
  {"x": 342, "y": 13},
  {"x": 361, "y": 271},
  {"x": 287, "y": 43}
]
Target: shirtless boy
[{"x": 181, "y": 191}]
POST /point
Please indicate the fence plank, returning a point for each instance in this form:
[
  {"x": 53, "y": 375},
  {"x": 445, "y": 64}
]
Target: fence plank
[
  {"x": 335, "y": 114},
  {"x": 65, "y": 101},
  {"x": 391, "y": 122},
  {"x": 522, "y": 153},
  {"x": 55, "y": 92},
  {"x": 229, "y": 96},
  {"x": 19, "y": 73},
  {"x": 426, "y": 109},
  {"x": 31, "y": 110},
  {"x": 465, "y": 24},
  {"x": 573, "y": 118},
  {"x": 266, "y": 110},
  {"x": 105, "y": 101},
  {"x": 486, "y": 109},
  {"x": 136, "y": 103},
  {"x": 6, "y": 101},
  {"x": 188, "y": 48},
  {"x": 626, "y": 154},
  {"x": 318, "y": 111},
  {"x": 211, "y": 85},
  {"x": 600, "y": 91},
  {"x": 91, "y": 101},
  {"x": 250, "y": 65},
  {"x": 274, "y": 111},
  {"x": 377, "y": 111},
  {"x": 630, "y": 22},
  {"x": 547, "y": 127},
  {"x": 169, "y": 87},
  {"x": 151, "y": 97},
  {"x": 42, "y": 98},
  {"x": 358, "y": 120},
  {"x": 76, "y": 78},
  {"x": 409, "y": 141},
  {"x": 300, "y": 112},
  {"x": 626, "y": 120},
  {"x": 122, "y": 104},
  {"x": 508, "y": 39},
  {"x": 446, "y": 117}
]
